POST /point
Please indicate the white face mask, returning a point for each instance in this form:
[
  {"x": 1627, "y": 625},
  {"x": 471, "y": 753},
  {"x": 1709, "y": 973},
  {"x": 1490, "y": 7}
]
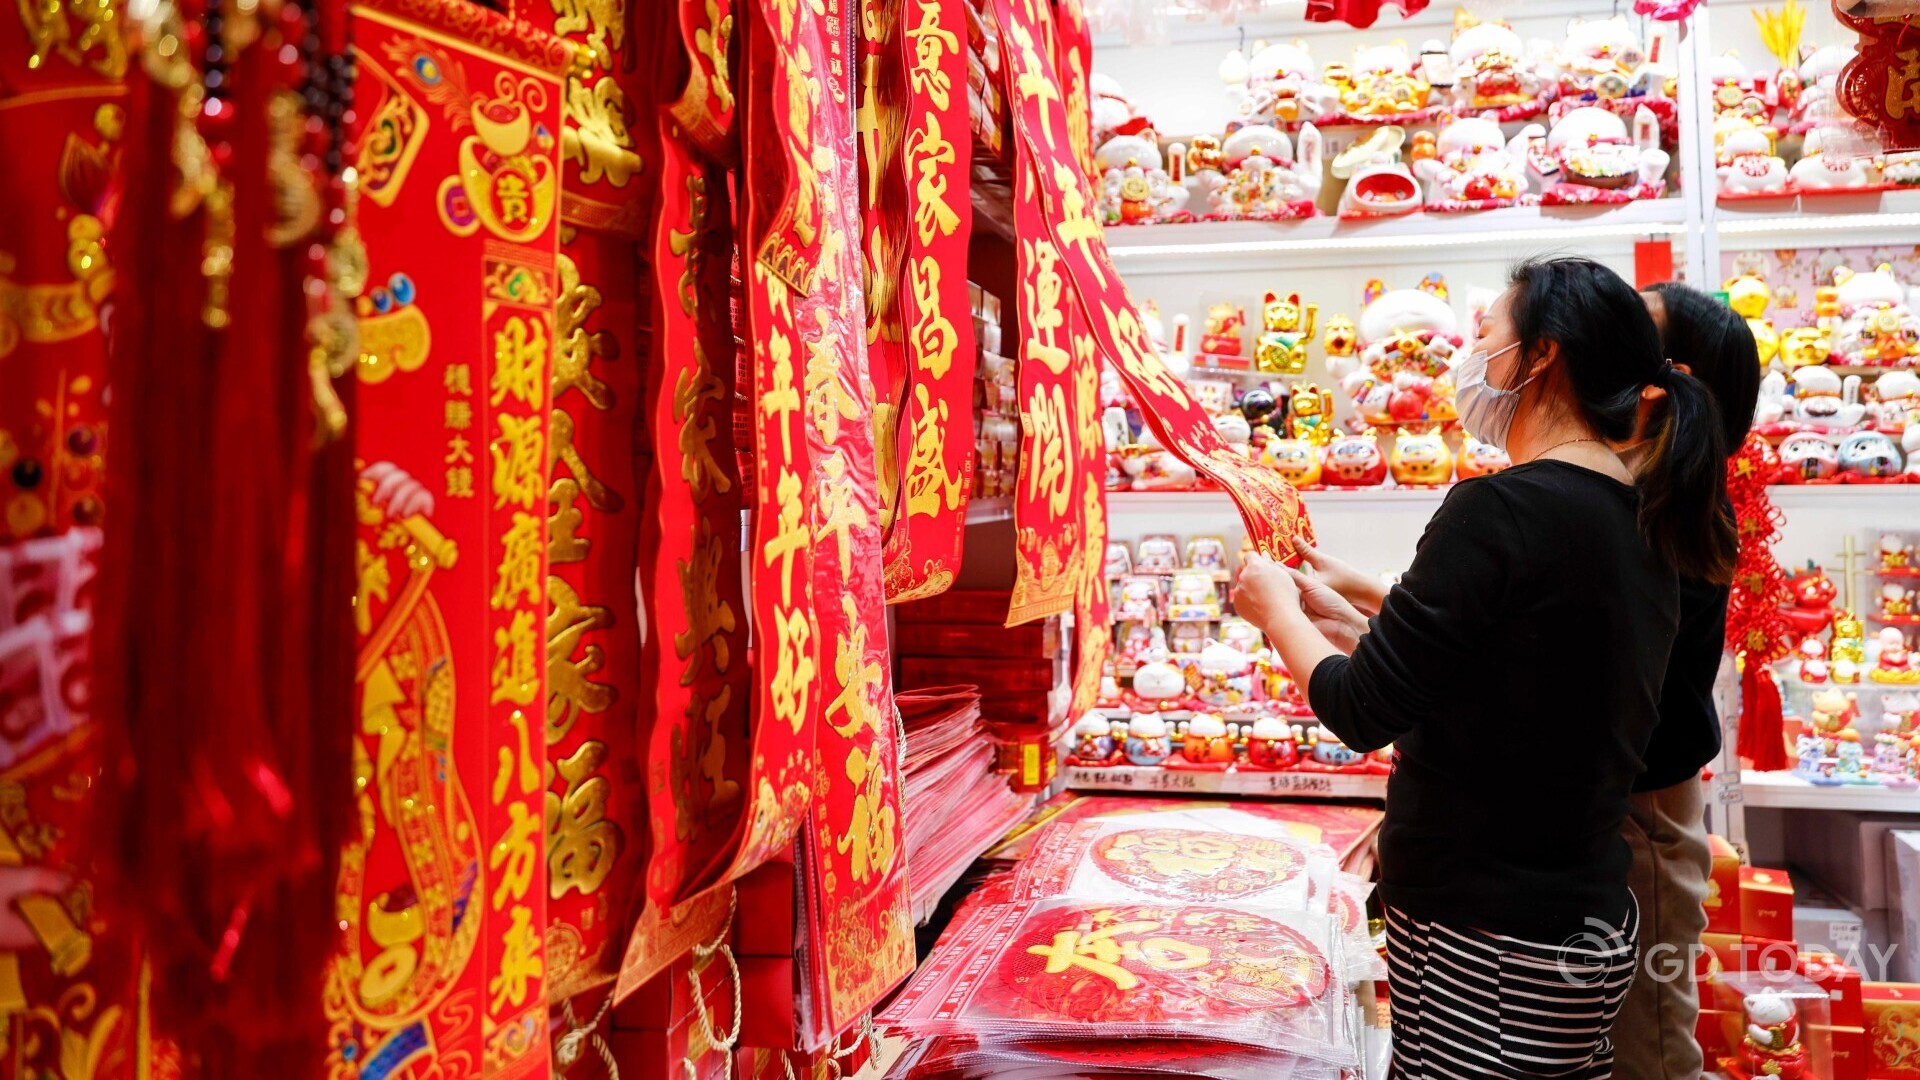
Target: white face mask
[{"x": 1485, "y": 411}]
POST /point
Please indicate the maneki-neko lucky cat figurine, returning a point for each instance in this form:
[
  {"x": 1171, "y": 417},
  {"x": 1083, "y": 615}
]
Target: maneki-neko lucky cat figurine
[
  {"x": 1205, "y": 744},
  {"x": 1895, "y": 663},
  {"x": 1282, "y": 348},
  {"x": 1421, "y": 459},
  {"x": 1310, "y": 414},
  {"x": 1272, "y": 745},
  {"x": 1771, "y": 1044},
  {"x": 1093, "y": 742},
  {"x": 1222, "y": 676},
  {"x": 1222, "y": 335}
]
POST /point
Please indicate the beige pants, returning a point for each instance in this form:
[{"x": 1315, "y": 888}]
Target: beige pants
[{"x": 1653, "y": 1037}]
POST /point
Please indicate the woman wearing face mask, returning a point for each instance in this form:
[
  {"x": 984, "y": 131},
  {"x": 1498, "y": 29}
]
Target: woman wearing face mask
[{"x": 1517, "y": 669}]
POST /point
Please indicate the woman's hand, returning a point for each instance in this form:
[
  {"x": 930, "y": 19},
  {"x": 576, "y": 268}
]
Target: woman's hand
[
  {"x": 1265, "y": 593},
  {"x": 1338, "y": 621},
  {"x": 1361, "y": 590}
]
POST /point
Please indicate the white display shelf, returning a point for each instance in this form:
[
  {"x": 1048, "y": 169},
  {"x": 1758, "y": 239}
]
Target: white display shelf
[
  {"x": 1814, "y": 220},
  {"x": 1200, "y": 245},
  {"x": 1155, "y": 779},
  {"x": 1785, "y": 791},
  {"x": 1852, "y": 499}
]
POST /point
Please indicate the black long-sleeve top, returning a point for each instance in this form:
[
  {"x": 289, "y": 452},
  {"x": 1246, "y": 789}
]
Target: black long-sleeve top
[
  {"x": 1517, "y": 670},
  {"x": 1688, "y": 735}
]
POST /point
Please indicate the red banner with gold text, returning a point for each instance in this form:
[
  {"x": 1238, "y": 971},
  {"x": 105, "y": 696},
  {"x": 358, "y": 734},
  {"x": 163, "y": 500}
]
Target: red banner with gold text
[
  {"x": 443, "y": 963},
  {"x": 936, "y": 456},
  {"x": 878, "y": 118},
  {"x": 859, "y": 925},
  {"x": 1270, "y": 506}
]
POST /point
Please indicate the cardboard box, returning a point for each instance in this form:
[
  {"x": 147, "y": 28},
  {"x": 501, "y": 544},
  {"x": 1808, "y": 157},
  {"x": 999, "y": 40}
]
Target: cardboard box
[
  {"x": 1766, "y": 903},
  {"x": 1846, "y": 852},
  {"x": 1893, "y": 1030},
  {"x": 1822, "y": 923},
  {"x": 1902, "y": 872},
  {"x": 1739, "y": 953},
  {"x": 1841, "y": 982},
  {"x": 1723, "y": 888}
]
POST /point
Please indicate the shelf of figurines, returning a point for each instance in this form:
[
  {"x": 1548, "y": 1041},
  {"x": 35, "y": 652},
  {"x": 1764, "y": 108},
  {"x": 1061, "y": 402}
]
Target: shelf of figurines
[
  {"x": 1835, "y": 497},
  {"x": 1479, "y": 137},
  {"x": 1850, "y": 689},
  {"x": 1789, "y": 791},
  {"x": 1235, "y": 752}
]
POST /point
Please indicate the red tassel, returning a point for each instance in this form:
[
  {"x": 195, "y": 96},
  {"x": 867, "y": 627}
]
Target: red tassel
[{"x": 1763, "y": 730}]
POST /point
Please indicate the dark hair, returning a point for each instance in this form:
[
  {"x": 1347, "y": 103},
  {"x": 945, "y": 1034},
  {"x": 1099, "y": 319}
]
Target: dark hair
[
  {"x": 1609, "y": 350},
  {"x": 1716, "y": 343}
]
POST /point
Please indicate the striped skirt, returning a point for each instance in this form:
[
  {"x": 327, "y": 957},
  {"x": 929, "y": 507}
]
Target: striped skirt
[{"x": 1470, "y": 1004}]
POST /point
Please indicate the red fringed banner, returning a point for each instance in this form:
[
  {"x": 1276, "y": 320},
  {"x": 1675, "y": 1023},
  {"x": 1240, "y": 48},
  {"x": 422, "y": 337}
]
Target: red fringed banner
[
  {"x": 1270, "y": 506},
  {"x": 878, "y": 118},
  {"x": 859, "y": 930},
  {"x": 1757, "y": 634},
  {"x": 444, "y": 964},
  {"x": 936, "y": 409}
]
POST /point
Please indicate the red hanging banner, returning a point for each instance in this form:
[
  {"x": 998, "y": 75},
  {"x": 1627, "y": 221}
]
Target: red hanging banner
[
  {"x": 878, "y": 120},
  {"x": 859, "y": 927},
  {"x": 443, "y": 962},
  {"x": 936, "y": 411},
  {"x": 1270, "y": 506}
]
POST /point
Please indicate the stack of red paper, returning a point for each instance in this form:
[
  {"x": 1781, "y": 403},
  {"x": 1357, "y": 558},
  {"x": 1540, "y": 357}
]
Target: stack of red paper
[{"x": 953, "y": 804}]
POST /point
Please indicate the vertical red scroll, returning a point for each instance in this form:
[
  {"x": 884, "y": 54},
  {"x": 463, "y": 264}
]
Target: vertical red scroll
[
  {"x": 444, "y": 885},
  {"x": 936, "y": 412}
]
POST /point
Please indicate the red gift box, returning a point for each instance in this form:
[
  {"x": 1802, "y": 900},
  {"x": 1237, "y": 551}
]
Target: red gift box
[
  {"x": 1848, "y": 1047},
  {"x": 1717, "y": 1032},
  {"x": 1723, "y": 888},
  {"x": 1766, "y": 903},
  {"x": 1030, "y": 760},
  {"x": 1892, "y": 1030},
  {"x": 1035, "y": 639},
  {"x": 1842, "y": 984},
  {"x": 988, "y": 606},
  {"x": 1744, "y": 952}
]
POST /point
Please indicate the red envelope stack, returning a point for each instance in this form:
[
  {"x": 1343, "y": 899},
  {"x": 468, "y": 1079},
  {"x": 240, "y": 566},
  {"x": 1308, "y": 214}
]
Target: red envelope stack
[{"x": 954, "y": 805}]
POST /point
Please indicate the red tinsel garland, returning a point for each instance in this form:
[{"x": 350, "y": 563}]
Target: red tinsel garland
[{"x": 1757, "y": 633}]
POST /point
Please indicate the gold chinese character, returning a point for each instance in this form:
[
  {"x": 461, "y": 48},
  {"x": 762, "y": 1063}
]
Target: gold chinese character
[
  {"x": 694, "y": 390},
  {"x": 841, "y": 510},
  {"x": 933, "y": 216},
  {"x": 460, "y": 482},
  {"x": 685, "y": 245},
  {"x": 520, "y": 351},
  {"x": 934, "y": 339},
  {"x": 603, "y": 21},
  {"x": 459, "y": 379},
  {"x": 1100, "y": 952},
  {"x": 459, "y": 415},
  {"x": 781, "y": 396},
  {"x": 871, "y": 836},
  {"x": 570, "y": 690},
  {"x": 928, "y": 482},
  {"x": 564, "y": 542},
  {"x": 512, "y": 192},
  {"x": 1048, "y": 476},
  {"x": 510, "y": 762},
  {"x": 860, "y": 677},
  {"x": 828, "y": 401},
  {"x": 459, "y": 451},
  {"x": 519, "y": 461},
  {"x": 1086, "y": 394},
  {"x": 574, "y": 345},
  {"x": 516, "y": 856},
  {"x": 599, "y": 495},
  {"x": 520, "y": 963},
  {"x": 1139, "y": 357},
  {"x": 710, "y": 618},
  {"x": 582, "y": 845},
  {"x": 597, "y": 138},
  {"x": 1078, "y": 227},
  {"x": 931, "y": 44},
  {"x": 520, "y": 574},
  {"x": 1045, "y": 315},
  {"x": 793, "y": 669},
  {"x": 1035, "y": 80},
  {"x": 516, "y": 677},
  {"x": 790, "y": 536},
  {"x": 373, "y": 581},
  {"x": 1903, "y": 85}
]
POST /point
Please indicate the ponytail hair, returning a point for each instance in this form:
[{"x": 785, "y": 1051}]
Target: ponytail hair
[
  {"x": 1610, "y": 351},
  {"x": 1717, "y": 345}
]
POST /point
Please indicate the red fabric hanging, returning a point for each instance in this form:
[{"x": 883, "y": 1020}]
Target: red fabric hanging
[{"x": 1360, "y": 13}]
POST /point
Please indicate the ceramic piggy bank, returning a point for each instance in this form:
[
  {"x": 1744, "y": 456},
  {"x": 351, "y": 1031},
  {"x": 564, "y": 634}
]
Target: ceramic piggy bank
[
  {"x": 1480, "y": 459},
  {"x": 1869, "y": 455},
  {"x": 1158, "y": 683},
  {"x": 1421, "y": 460},
  {"x": 1272, "y": 744},
  {"x": 1807, "y": 457},
  {"x": 1147, "y": 742},
  {"x": 1222, "y": 676},
  {"x": 1205, "y": 742},
  {"x": 1771, "y": 1045},
  {"x": 1093, "y": 742},
  {"x": 1355, "y": 461},
  {"x": 1296, "y": 459}
]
